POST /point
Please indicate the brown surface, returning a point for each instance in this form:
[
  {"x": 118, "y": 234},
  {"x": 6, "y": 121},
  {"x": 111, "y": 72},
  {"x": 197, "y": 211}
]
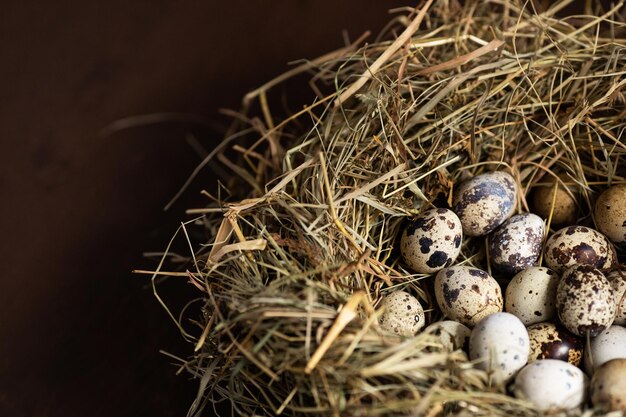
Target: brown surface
[{"x": 80, "y": 335}]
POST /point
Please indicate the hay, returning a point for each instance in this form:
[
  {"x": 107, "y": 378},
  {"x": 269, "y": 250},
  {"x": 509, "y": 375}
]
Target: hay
[{"x": 301, "y": 252}]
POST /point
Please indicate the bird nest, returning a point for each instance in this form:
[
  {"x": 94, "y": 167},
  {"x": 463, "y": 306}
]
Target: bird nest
[{"x": 303, "y": 244}]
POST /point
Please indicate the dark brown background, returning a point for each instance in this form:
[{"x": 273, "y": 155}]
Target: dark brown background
[{"x": 79, "y": 334}]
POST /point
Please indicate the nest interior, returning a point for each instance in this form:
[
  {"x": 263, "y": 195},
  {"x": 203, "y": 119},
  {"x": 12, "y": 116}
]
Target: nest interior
[{"x": 302, "y": 244}]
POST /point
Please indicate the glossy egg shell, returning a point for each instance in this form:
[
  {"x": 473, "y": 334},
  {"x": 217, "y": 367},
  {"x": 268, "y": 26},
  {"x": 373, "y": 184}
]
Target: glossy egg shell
[
  {"x": 579, "y": 245},
  {"x": 549, "y": 341},
  {"x": 531, "y": 295},
  {"x": 432, "y": 241},
  {"x": 608, "y": 345},
  {"x": 499, "y": 343},
  {"x": 467, "y": 294},
  {"x": 516, "y": 244},
  {"x": 485, "y": 202},
  {"x": 551, "y": 385},
  {"x": 584, "y": 301}
]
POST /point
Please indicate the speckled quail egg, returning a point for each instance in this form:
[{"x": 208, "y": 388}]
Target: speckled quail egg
[
  {"x": 551, "y": 385},
  {"x": 608, "y": 386},
  {"x": 516, "y": 244},
  {"x": 584, "y": 301},
  {"x": 610, "y": 344},
  {"x": 432, "y": 241},
  {"x": 485, "y": 202},
  {"x": 549, "y": 341},
  {"x": 618, "y": 284},
  {"x": 452, "y": 334},
  {"x": 403, "y": 314},
  {"x": 610, "y": 213},
  {"x": 531, "y": 295},
  {"x": 565, "y": 207},
  {"x": 499, "y": 343},
  {"x": 579, "y": 245},
  {"x": 467, "y": 294}
]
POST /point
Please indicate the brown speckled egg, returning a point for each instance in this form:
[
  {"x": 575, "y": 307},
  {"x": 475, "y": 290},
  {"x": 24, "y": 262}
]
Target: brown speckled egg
[
  {"x": 548, "y": 341},
  {"x": 452, "y": 334},
  {"x": 584, "y": 301},
  {"x": 485, "y": 202},
  {"x": 467, "y": 294},
  {"x": 403, "y": 314},
  {"x": 565, "y": 207},
  {"x": 432, "y": 241},
  {"x": 608, "y": 386},
  {"x": 618, "y": 284},
  {"x": 531, "y": 295},
  {"x": 610, "y": 213},
  {"x": 579, "y": 245},
  {"x": 608, "y": 345},
  {"x": 516, "y": 245}
]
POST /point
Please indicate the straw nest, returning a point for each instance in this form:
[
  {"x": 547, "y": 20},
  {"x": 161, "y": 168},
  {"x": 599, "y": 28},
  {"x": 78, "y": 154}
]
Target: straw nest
[{"x": 302, "y": 246}]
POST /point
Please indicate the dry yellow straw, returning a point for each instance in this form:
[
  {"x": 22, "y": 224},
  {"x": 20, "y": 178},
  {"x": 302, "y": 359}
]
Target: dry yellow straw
[
  {"x": 346, "y": 315},
  {"x": 384, "y": 57}
]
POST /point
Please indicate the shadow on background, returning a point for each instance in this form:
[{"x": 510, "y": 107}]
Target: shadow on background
[{"x": 80, "y": 334}]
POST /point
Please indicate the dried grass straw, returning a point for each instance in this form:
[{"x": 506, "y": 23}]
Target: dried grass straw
[{"x": 298, "y": 260}]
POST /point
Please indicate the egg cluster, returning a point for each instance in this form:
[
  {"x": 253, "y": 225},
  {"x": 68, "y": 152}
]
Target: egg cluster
[{"x": 534, "y": 326}]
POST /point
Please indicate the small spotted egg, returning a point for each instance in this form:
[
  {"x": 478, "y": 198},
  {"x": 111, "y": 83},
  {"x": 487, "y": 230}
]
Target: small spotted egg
[
  {"x": 432, "y": 241},
  {"x": 610, "y": 344},
  {"x": 610, "y": 213},
  {"x": 579, "y": 245},
  {"x": 584, "y": 301},
  {"x": 499, "y": 343},
  {"x": 549, "y": 341},
  {"x": 403, "y": 314},
  {"x": 618, "y": 284},
  {"x": 485, "y": 202},
  {"x": 467, "y": 294},
  {"x": 565, "y": 207},
  {"x": 531, "y": 295},
  {"x": 608, "y": 386},
  {"x": 452, "y": 334},
  {"x": 551, "y": 385},
  {"x": 516, "y": 245}
]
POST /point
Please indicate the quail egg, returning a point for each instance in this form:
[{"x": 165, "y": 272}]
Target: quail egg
[
  {"x": 584, "y": 301},
  {"x": 579, "y": 245},
  {"x": 551, "y": 385},
  {"x": 610, "y": 344},
  {"x": 516, "y": 245},
  {"x": 485, "y": 202},
  {"x": 531, "y": 295},
  {"x": 432, "y": 241},
  {"x": 403, "y": 314},
  {"x": 610, "y": 213},
  {"x": 565, "y": 207},
  {"x": 608, "y": 386},
  {"x": 549, "y": 341},
  {"x": 499, "y": 343},
  {"x": 452, "y": 334},
  {"x": 618, "y": 284},
  {"x": 467, "y": 294}
]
